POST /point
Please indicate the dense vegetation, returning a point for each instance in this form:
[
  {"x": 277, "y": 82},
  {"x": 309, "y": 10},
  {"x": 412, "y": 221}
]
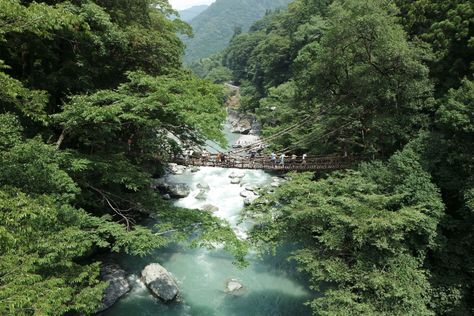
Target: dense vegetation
[
  {"x": 89, "y": 94},
  {"x": 188, "y": 14},
  {"x": 214, "y": 27},
  {"x": 385, "y": 80}
]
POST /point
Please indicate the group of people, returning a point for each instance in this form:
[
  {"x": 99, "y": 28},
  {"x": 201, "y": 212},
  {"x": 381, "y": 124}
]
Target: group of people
[{"x": 273, "y": 158}]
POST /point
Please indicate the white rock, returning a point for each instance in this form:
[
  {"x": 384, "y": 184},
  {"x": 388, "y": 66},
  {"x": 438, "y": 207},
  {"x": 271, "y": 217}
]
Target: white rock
[{"x": 233, "y": 285}]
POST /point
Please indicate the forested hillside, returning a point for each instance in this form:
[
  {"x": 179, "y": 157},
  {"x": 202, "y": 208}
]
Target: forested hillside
[
  {"x": 94, "y": 102},
  {"x": 214, "y": 27},
  {"x": 391, "y": 82},
  {"x": 188, "y": 14},
  {"x": 89, "y": 94}
]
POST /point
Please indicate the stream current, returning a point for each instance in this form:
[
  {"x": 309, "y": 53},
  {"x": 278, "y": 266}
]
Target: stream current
[{"x": 272, "y": 286}]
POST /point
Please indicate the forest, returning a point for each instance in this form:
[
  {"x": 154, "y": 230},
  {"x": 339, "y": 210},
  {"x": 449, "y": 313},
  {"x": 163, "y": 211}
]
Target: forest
[
  {"x": 391, "y": 81},
  {"x": 90, "y": 92}
]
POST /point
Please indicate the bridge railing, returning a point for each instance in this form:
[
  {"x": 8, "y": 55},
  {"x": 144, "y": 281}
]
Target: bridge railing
[{"x": 260, "y": 162}]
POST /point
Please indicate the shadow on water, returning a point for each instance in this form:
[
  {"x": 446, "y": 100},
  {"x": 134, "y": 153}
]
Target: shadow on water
[{"x": 261, "y": 303}]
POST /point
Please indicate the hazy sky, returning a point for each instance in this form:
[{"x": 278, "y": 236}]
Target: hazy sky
[{"x": 184, "y": 4}]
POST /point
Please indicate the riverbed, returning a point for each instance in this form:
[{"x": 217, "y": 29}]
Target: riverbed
[{"x": 272, "y": 286}]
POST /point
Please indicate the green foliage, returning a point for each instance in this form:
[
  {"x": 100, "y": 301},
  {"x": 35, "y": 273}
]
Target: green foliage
[
  {"x": 214, "y": 27},
  {"x": 188, "y": 14},
  {"x": 211, "y": 69},
  {"x": 354, "y": 66},
  {"x": 447, "y": 26},
  {"x": 362, "y": 235},
  {"x": 93, "y": 101},
  {"x": 42, "y": 240}
]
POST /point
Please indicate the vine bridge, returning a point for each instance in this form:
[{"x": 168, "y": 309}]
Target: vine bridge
[{"x": 265, "y": 163}]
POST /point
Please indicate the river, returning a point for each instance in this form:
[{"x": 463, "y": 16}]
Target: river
[{"x": 272, "y": 286}]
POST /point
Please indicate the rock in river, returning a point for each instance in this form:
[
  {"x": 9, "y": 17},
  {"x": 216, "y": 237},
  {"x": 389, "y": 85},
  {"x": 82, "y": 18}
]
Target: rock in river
[
  {"x": 118, "y": 285},
  {"x": 236, "y": 174},
  {"x": 235, "y": 181},
  {"x": 160, "y": 282},
  {"x": 233, "y": 285},
  {"x": 175, "y": 190},
  {"x": 210, "y": 208}
]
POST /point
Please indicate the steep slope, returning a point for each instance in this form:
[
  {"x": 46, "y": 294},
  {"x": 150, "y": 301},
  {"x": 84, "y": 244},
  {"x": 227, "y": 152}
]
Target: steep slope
[
  {"x": 190, "y": 13},
  {"x": 214, "y": 27}
]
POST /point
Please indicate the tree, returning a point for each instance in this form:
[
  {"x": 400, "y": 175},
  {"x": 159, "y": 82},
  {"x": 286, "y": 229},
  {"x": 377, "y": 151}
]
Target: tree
[
  {"x": 365, "y": 74},
  {"x": 361, "y": 236}
]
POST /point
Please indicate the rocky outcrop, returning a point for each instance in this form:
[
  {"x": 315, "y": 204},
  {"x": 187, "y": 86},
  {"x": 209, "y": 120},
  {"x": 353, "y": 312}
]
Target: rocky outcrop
[
  {"x": 160, "y": 282},
  {"x": 118, "y": 285},
  {"x": 243, "y": 123},
  {"x": 246, "y": 141}
]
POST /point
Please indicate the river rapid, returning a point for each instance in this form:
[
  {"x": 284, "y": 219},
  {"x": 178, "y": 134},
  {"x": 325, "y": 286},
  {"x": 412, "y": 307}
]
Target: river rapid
[{"x": 272, "y": 286}]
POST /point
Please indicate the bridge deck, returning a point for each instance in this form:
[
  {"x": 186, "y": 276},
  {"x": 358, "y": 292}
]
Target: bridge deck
[{"x": 310, "y": 164}]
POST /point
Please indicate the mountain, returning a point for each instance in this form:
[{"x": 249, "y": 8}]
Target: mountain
[
  {"x": 214, "y": 27},
  {"x": 190, "y": 13}
]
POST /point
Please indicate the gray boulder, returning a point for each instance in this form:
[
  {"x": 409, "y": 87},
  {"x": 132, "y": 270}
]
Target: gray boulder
[
  {"x": 203, "y": 190},
  {"x": 160, "y": 282},
  {"x": 175, "y": 190},
  {"x": 202, "y": 195},
  {"x": 118, "y": 285}
]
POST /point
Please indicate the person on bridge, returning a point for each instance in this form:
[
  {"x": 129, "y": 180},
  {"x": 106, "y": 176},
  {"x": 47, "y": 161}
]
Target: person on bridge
[
  {"x": 282, "y": 159},
  {"x": 273, "y": 158},
  {"x": 304, "y": 159},
  {"x": 293, "y": 158}
]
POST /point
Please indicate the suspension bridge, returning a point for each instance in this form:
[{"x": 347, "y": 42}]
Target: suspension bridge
[
  {"x": 238, "y": 159},
  {"x": 265, "y": 163}
]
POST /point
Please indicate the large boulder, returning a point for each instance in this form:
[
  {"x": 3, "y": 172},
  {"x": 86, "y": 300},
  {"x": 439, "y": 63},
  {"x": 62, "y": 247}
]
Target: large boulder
[
  {"x": 160, "y": 282},
  {"x": 118, "y": 285},
  {"x": 178, "y": 190},
  {"x": 175, "y": 190}
]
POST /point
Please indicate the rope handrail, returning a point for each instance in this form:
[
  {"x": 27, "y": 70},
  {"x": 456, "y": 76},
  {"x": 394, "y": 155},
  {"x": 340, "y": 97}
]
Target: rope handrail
[{"x": 266, "y": 163}]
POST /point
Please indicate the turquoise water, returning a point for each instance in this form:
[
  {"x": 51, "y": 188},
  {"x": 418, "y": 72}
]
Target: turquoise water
[{"x": 271, "y": 285}]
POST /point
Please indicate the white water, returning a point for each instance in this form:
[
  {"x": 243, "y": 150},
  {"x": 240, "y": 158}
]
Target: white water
[{"x": 272, "y": 287}]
